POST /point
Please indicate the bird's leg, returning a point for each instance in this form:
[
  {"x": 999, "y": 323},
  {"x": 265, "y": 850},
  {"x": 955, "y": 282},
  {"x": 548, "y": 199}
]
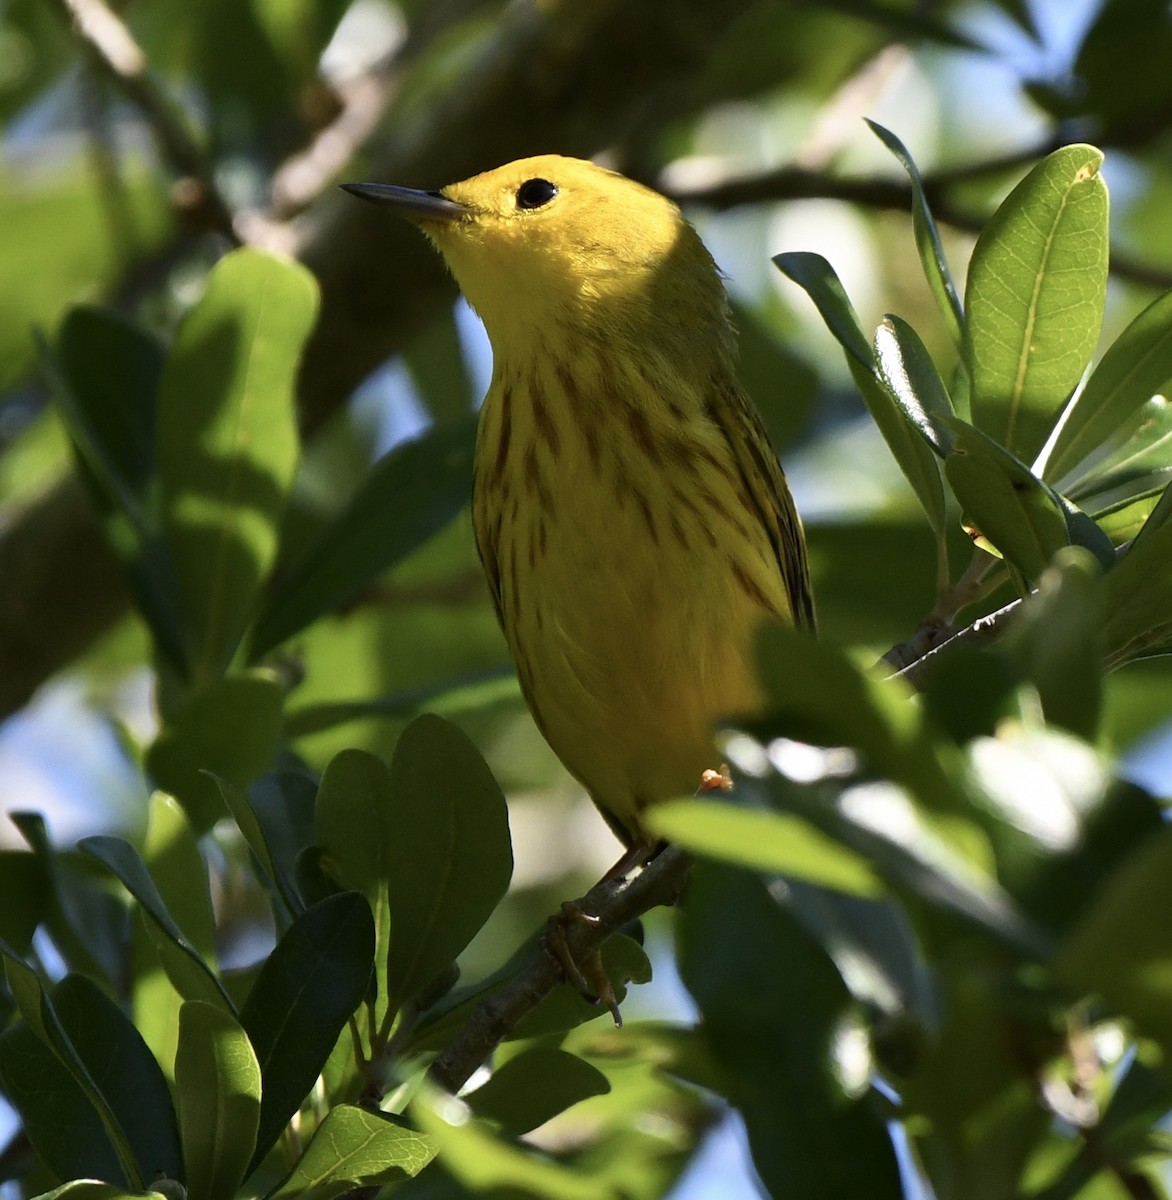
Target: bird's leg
[{"x": 588, "y": 974}]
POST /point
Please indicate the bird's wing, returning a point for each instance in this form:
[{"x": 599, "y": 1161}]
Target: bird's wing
[{"x": 753, "y": 453}]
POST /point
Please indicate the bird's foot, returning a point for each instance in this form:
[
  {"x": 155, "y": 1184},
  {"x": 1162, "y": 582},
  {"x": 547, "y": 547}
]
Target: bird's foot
[{"x": 588, "y": 976}]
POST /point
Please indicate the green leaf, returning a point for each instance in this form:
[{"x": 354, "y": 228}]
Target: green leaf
[
  {"x": 124, "y": 1072},
  {"x": 927, "y": 236},
  {"x": 1137, "y": 612},
  {"x": 1055, "y": 640},
  {"x": 307, "y": 989},
  {"x": 355, "y": 830},
  {"x": 915, "y": 459},
  {"x": 108, "y": 1063},
  {"x": 535, "y": 1086},
  {"x": 449, "y": 854},
  {"x": 95, "y": 1189},
  {"x": 283, "y": 803},
  {"x": 64, "y": 1128},
  {"x": 185, "y": 966},
  {"x": 1133, "y": 369},
  {"x": 172, "y": 858},
  {"x": 232, "y": 729},
  {"x": 1120, "y": 950},
  {"x": 816, "y": 1136},
  {"x": 1036, "y": 291},
  {"x": 110, "y": 371},
  {"x": 972, "y": 1113},
  {"x": 818, "y": 279},
  {"x": 25, "y": 893},
  {"x": 764, "y": 841},
  {"x": 87, "y": 924},
  {"x": 409, "y": 494},
  {"x": 1008, "y": 509},
  {"x": 217, "y": 1080},
  {"x": 353, "y": 1149},
  {"x": 106, "y": 373},
  {"x": 483, "y": 1162},
  {"x": 227, "y": 443},
  {"x": 912, "y": 378},
  {"x": 818, "y": 694}
]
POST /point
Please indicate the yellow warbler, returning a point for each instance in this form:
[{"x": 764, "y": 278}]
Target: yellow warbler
[{"x": 633, "y": 521}]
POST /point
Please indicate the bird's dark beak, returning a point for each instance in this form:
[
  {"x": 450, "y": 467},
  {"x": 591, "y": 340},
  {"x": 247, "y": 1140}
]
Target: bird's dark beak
[{"x": 426, "y": 206}]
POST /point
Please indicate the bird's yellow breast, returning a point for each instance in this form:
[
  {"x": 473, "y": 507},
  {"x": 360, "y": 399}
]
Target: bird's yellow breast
[{"x": 629, "y": 573}]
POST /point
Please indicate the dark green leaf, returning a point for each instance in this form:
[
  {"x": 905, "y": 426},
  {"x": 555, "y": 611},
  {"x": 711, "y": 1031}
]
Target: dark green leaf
[
  {"x": 124, "y": 1071},
  {"x": 775, "y": 1008},
  {"x": 283, "y": 802},
  {"x": 1054, "y": 638},
  {"x": 927, "y": 236},
  {"x": 232, "y": 729},
  {"x": 64, "y": 1128},
  {"x": 1135, "y": 598},
  {"x": 352, "y": 1149},
  {"x": 87, "y": 924},
  {"x": 227, "y": 443},
  {"x": 185, "y": 966},
  {"x": 1136, "y": 365},
  {"x": 308, "y": 988},
  {"x": 25, "y": 891},
  {"x": 410, "y": 493},
  {"x": 355, "y": 804},
  {"x": 110, "y": 370},
  {"x": 531, "y": 1088},
  {"x": 217, "y": 1081},
  {"x": 1036, "y": 290},
  {"x": 1120, "y": 949},
  {"x": 449, "y": 854},
  {"x": 106, "y": 379}
]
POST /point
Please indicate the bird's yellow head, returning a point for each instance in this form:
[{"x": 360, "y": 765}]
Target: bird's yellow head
[{"x": 550, "y": 241}]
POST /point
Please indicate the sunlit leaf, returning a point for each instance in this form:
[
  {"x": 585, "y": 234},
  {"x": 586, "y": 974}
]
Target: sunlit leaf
[
  {"x": 227, "y": 443},
  {"x": 1036, "y": 290},
  {"x": 927, "y": 236},
  {"x": 217, "y": 1080},
  {"x": 354, "y": 1148}
]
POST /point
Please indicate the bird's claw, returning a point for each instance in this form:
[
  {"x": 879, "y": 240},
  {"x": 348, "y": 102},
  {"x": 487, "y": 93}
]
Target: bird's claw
[{"x": 589, "y": 976}]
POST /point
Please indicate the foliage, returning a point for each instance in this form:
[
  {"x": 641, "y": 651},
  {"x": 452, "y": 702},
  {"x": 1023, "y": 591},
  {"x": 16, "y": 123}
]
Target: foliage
[{"x": 931, "y": 913}]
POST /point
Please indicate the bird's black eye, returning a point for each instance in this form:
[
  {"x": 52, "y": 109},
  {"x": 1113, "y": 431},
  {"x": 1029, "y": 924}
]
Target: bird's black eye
[{"x": 533, "y": 193}]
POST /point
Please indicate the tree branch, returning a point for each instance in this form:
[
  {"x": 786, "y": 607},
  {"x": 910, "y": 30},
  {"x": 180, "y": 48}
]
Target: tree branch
[
  {"x": 119, "y": 57},
  {"x": 880, "y": 192},
  {"x": 614, "y": 903}
]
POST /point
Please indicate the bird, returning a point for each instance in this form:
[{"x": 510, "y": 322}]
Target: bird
[{"x": 633, "y": 521}]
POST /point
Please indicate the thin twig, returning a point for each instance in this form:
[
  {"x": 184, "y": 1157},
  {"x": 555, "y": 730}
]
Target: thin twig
[
  {"x": 614, "y": 903},
  {"x": 122, "y": 60}
]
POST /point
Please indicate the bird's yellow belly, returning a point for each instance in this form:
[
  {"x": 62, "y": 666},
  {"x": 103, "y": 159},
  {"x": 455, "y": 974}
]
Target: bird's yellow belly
[{"x": 632, "y": 642}]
